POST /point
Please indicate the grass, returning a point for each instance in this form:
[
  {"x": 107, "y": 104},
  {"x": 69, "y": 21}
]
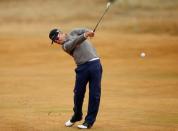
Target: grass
[
  {"x": 135, "y": 16},
  {"x": 36, "y": 82},
  {"x": 149, "y": 4}
]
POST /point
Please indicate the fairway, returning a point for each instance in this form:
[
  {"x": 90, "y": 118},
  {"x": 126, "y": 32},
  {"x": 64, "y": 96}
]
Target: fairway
[{"x": 37, "y": 80}]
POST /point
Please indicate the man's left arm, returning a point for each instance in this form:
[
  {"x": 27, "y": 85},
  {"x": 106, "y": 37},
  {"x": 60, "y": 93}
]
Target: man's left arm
[
  {"x": 79, "y": 31},
  {"x": 70, "y": 45}
]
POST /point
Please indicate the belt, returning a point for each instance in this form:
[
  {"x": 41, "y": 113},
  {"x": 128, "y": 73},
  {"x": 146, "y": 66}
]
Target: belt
[{"x": 94, "y": 59}]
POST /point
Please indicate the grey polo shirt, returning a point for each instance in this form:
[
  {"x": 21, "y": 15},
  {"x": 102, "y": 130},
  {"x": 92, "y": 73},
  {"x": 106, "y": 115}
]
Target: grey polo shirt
[{"x": 77, "y": 45}]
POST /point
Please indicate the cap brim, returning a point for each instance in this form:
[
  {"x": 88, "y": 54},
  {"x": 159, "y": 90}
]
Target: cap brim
[
  {"x": 53, "y": 39},
  {"x": 52, "y": 42}
]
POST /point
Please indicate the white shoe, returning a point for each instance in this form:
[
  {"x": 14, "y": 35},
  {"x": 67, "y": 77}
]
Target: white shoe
[
  {"x": 82, "y": 127},
  {"x": 69, "y": 123}
]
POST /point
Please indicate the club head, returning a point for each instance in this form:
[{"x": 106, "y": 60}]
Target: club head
[{"x": 108, "y": 4}]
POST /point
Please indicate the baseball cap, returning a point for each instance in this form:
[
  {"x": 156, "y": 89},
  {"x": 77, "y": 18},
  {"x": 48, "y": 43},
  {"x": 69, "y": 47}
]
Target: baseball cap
[{"x": 53, "y": 34}]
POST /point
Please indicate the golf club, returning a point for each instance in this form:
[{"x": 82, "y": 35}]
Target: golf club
[{"x": 107, "y": 8}]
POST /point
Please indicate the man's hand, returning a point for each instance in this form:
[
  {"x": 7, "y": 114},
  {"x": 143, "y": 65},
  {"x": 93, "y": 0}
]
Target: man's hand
[{"x": 89, "y": 34}]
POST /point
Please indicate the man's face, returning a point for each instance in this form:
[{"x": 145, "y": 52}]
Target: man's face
[{"x": 60, "y": 38}]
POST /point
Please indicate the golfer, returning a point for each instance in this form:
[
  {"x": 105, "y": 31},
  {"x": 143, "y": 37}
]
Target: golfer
[{"x": 88, "y": 70}]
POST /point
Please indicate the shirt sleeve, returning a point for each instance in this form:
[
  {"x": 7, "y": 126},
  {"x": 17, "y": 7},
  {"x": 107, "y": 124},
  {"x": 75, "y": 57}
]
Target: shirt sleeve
[
  {"x": 70, "y": 45},
  {"x": 79, "y": 31}
]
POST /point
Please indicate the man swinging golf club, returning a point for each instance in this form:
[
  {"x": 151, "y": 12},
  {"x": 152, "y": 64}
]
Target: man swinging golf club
[{"x": 89, "y": 70}]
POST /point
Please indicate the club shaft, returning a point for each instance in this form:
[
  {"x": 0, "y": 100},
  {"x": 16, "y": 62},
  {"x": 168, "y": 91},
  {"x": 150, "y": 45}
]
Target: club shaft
[{"x": 100, "y": 19}]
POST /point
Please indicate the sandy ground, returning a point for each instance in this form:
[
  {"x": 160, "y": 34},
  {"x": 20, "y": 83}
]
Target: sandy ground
[
  {"x": 36, "y": 80},
  {"x": 137, "y": 93}
]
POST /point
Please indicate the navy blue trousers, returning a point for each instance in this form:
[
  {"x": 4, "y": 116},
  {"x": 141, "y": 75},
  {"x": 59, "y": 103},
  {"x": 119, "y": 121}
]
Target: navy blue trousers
[{"x": 90, "y": 72}]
